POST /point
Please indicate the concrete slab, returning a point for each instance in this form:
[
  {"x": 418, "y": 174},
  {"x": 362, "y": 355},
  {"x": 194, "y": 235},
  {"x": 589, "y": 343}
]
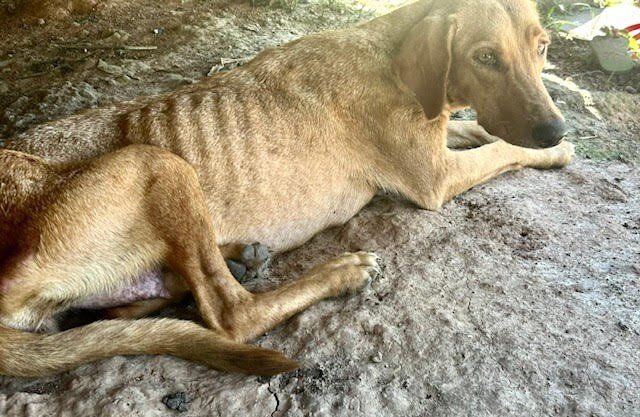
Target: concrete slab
[{"x": 612, "y": 54}]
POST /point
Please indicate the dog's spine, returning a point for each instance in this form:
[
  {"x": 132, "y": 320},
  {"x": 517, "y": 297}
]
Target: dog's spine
[{"x": 27, "y": 354}]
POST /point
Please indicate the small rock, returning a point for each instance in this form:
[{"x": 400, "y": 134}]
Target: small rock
[
  {"x": 252, "y": 27},
  {"x": 263, "y": 379},
  {"x": 376, "y": 357},
  {"x": 109, "y": 69},
  {"x": 41, "y": 21},
  {"x": 315, "y": 373},
  {"x": 44, "y": 387},
  {"x": 4, "y": 87},
  {"x": 630, "y": 89},
  {"x": 177, "y": 79},
  {"x": 178, "y": 401},
  {"x": 466, "y": 114},
  {"x": 622, "y": 326},
  {"x": 89, "y": 63},
  {"x": 116, "y": 38},
  {"x": 612, "y": 54}
]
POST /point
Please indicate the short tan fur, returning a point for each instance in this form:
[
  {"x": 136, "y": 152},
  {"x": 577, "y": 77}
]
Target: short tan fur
[{"x": 298, "y": 139}]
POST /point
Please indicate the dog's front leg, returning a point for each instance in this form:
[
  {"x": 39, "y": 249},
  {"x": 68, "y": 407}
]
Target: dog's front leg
[{"x": 465, "y": 169}]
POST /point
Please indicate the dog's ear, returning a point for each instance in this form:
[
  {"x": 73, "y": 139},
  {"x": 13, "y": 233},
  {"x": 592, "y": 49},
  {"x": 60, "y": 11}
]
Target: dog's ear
[{"x": 424, "y": 60}]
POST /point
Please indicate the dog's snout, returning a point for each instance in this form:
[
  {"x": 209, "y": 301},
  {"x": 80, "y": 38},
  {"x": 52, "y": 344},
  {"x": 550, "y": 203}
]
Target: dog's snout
[{"x": 549, "y": 133}]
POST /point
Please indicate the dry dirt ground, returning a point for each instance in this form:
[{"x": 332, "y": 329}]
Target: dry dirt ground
[{"x": 519, "y": 298}]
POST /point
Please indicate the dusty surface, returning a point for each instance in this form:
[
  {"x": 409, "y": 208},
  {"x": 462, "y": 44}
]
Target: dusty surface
[{"x": 521, "y": 297}]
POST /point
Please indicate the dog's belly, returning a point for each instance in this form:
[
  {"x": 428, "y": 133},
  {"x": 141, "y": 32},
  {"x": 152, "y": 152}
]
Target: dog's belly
[
  {"x": 147, "y": 286},
  {"x": 285, "y": 224},
  {"x": 288, "y": 226}
]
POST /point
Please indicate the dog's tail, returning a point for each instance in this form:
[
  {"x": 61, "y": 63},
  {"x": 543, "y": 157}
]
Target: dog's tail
[{"x": 31, "y": 354}]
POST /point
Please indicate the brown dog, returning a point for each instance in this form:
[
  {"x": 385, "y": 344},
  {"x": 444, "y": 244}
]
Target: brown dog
[{"x": 298, "y": 139}]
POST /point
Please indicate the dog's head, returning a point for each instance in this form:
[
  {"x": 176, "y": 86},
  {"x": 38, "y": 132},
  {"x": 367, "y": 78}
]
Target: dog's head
[{"x": 487, "y": 54}]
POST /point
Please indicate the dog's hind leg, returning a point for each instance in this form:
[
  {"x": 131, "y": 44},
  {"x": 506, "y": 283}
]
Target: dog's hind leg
[
  {"x": 176, "y": 209},
  {"x": 91, "y": 241},
  {"x": 243, "y": 316},
  {"x": 173, "y": 285},
  {"x": 156, "y": 212},
  {"x": 138, "y": 309},
  {"x": 343, "y": 274},
  {"x": 245, "y": 261}
]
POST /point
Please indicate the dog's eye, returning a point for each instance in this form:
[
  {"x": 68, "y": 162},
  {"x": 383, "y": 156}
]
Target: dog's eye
[
  {"x": 487, "y": 58},
  {"x": 542, "y": 49}
]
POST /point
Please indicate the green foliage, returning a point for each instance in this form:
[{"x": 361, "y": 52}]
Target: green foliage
[
  {"x": 609, "y": 3},
  {"x": 634, "y": 47},
  {"x": 551, "y": 18}
]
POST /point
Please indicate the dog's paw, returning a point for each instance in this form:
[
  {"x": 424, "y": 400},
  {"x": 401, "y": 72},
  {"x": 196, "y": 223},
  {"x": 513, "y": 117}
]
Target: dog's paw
[
  {"x": 253, "y": 263},
  {"x": 560, "y": 155},
  {"x": 351, "y": 272},
  {"x": 237, "y": 269}
]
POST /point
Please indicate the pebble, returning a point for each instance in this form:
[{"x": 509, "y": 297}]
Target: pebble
[
  {"x": 109, "y": 68},
  {"x": 630, "y": 89},
  {"x": 178, "y": 79},
  {"x": 622, "y": 326},
  {"x": 178, "y": 401},
  {"x": 376, "y": 357}
]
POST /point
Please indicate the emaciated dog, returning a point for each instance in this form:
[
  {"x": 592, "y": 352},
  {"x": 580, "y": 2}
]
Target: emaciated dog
[{"x": 298, "y": 139}]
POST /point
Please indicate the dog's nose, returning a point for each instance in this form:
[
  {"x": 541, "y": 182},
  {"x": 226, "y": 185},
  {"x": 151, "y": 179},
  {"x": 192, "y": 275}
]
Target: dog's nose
[{"x": 550, "y": 133}]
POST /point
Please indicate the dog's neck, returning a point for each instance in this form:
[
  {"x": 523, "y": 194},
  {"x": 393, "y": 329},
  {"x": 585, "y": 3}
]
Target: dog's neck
[{"x": 393, "y": 27}]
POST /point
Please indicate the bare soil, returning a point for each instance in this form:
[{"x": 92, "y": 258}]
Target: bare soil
[{"x": 520, "y": 298}]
